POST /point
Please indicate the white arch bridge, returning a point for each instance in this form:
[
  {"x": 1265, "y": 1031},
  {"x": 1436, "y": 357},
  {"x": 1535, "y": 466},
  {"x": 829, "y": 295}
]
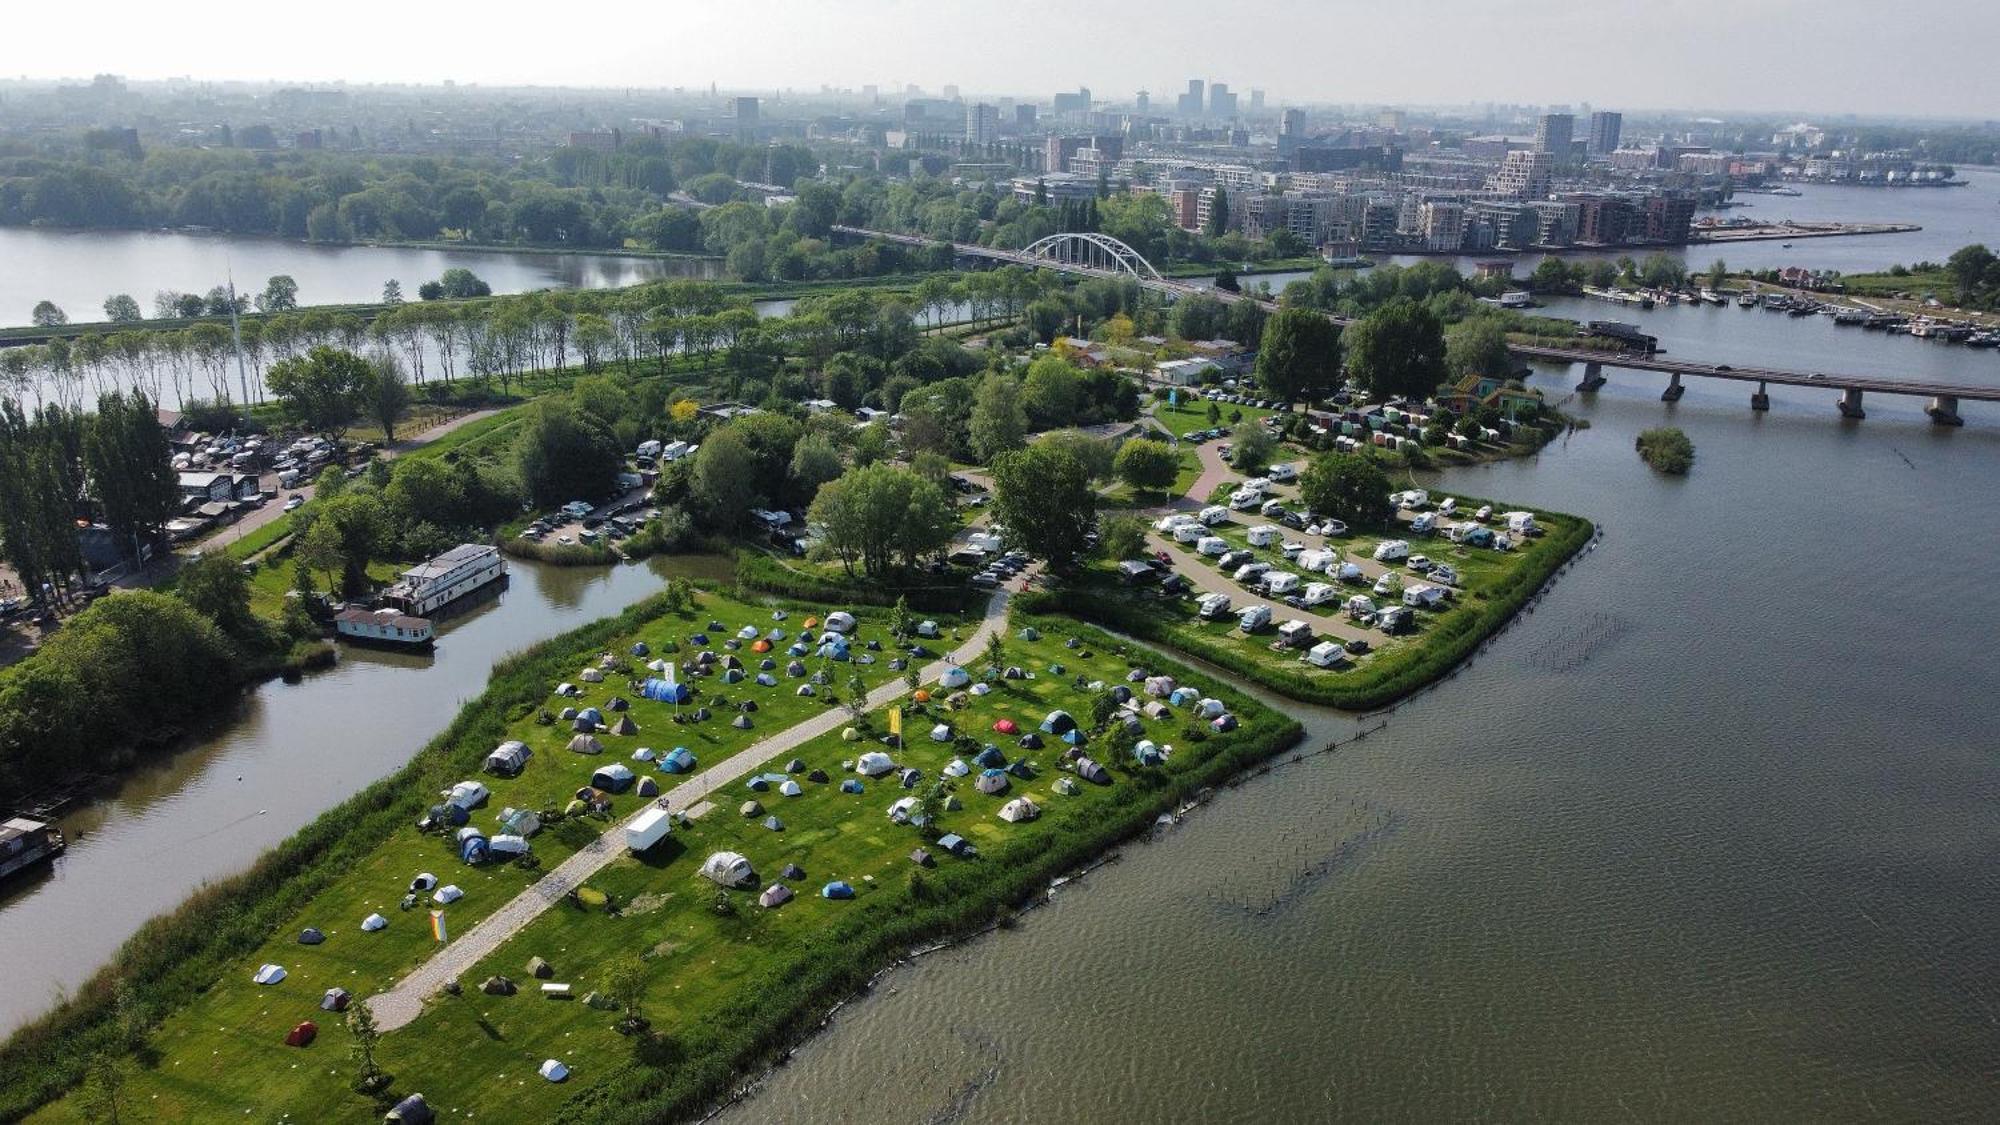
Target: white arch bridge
[{"x": 1079, "y": 252}]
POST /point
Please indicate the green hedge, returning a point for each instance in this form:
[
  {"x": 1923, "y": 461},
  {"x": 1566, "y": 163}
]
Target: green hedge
[
  {"x": 786, "y": 1001},
  {"x": 761, "y": 572},
  {"x": 1388, "y": 677},
  {"x": 180, "y": 954}
]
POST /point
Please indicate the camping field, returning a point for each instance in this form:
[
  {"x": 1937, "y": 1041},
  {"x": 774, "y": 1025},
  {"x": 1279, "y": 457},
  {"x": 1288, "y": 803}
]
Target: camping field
[
  {"x": 726, "y": 980},
  {"x": 1192, "y": 415},
  {"x": 1492, "y": 587}
]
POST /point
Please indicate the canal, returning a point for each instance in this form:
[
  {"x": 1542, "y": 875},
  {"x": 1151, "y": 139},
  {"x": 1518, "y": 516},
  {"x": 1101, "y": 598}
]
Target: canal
[
  {"x": 1712, "y": 833},
  {"x": 282, "y": 756}
]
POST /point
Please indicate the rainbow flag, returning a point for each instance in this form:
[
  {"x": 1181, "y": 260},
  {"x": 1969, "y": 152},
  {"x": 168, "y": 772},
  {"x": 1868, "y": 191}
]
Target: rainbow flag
[{"x": 437, "y": 925}]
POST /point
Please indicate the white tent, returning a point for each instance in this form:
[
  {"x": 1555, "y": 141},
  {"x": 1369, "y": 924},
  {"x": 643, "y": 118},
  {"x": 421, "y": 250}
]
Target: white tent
[
  {"x": 840, "y": 621},
  {"x": 424, "y": 881},
  {"x": 553, "y": 1070},
  {"x": 903, "y": 808},
  {"x": 1019, "y": 809},
  {"x": 791, "y": 788},
  {"x": 874, "y": 764},
  {"x": 506, "y": 844},
  {"x": 591, "y": 676},
  {"x": 447, "y": 894},
  {"x": 777, "y": 894},
  {"x": 941, "y": 733},
  {"x": 728, "y": 869},
  {"x": 269, "y": 974},
  {"x": 954, "y": 677},
  {"x": 467, "y": 794},
  {"x": 981, "y": 689},
  {"x": 956, "y": 768},
  {"x": 374, "y": 922}
]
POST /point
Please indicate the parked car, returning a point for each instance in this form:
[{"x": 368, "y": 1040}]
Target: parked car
[{"x": 295, "y": 503}]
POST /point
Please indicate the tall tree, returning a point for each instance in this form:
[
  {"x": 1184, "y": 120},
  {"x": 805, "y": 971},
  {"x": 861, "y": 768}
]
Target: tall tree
[
  {"x": 1147, "y": 465},
  {"x": 999, "y": 423},
  {"x": 280, "y": 294},
  {"x": 319, "y": 389},
  {"x": 130, "y": 464},
  {"x": 385, "y": 395},
  {"x": 1043, "y": 495},
  {"x": 1477, "y": 346},
  {"x": 1218, "y": 215},
  {"x": 1397, "y": 351},
  {"x": 1299, "y": 356},
  {"x": 120, "y": 308},
  {"x": 48, "y": 314},
  {"x": 1348, "y": 487}
]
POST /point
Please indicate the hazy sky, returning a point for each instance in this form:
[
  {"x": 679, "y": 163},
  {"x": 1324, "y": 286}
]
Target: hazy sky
[{"x": 1824, "y": 56}]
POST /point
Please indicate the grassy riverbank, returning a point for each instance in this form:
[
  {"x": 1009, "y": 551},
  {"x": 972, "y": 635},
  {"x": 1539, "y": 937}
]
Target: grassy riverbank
[{"x": 725, "y": 989}]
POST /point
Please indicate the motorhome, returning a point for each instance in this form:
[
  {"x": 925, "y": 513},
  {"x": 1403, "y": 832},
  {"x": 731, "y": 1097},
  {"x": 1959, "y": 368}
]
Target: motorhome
[
  {"x": 1188, "y": 532},
  {"x": 1359, "y": 606},
  {"x": 1424, "y": 523},
  {"x": 1325, "y": 654},
  {"x": 1278, "y": 583},
  {"x": 1319, "y": 593},
  {"x": 1214, "y": 514},
  {"x": 1522, "y": 523},
  {"x": 1213, "y": 546},
  {"x": 1251, "y": 573},
  {"x": 1263, "y": 535},
  {"x": 1392, "y": 550},
  {"x": 1244, "y": 498},
  {"x": 1295, "y": 634},
  {"x": 1315, "y": 561},
  {"x": 1423, "y": 596},
  {"x": 1413, "y": 498},
  {"x": 1212, "y": 607},
  {"x": 1253, "y": 618},
  {"x": 1283, "y": 472}
]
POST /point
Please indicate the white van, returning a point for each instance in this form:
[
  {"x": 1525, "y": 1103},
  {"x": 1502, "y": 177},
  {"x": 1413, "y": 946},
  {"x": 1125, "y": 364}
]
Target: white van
[
  {"x": 1214, "y": 514},
  {"x": 675, "y": 450},
  {"x": 1251, "y": 573},
  {"x": 1213, "y": 607},
  {"x": 1213, "y": 546},
  {"x": 1414, "y": 498},
  {"x": 1282, "y": 472},
  {"x": 1271, "y": 509},
  {"x": 1263, "y": 535},
  {"x": 649, "y": 448},
  {"x": 1392, "y": 550},
  {"x": 1521, "y": 523},
  {"x": 1278, "y": 583},
  {"x": 1254, "y": 618}
]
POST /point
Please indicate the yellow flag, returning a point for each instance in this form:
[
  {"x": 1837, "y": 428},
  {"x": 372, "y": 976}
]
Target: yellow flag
[{"x": 896, "y": 721}]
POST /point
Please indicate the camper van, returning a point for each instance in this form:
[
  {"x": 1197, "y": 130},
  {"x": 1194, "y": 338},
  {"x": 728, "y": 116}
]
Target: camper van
[
  {"x": 1424, "y": 523},
  {"x": 1283, "y": 472},
  {"x": 1188, "y": 532},
  {"x": 1250, "y": 574},
  {"x": 1392, "y": 550},
  {"x": 1521, "y": 523},
  {"x": 1245, "y": 498},
  {"x": 649, "y": 449},
  {"x": 1295, "y": 634},
  {"x": 1413, "y": 498},
  {"x": 1263, "y": 535},
  {"x": 1278, "y": 583},
  {"x": 1271, "y": 509},
  {"x": 1423, "y": 596},
  {"x": 1253, "y": 618},
  {"x": 1214, "y": 515},
  {"x": 1359, "y": 606},
  {"x": 1213, "y": 607},
  {"x": 1347, "y": 572},
  {"x": 1213, "y": 546},
  {"x": 1325, "y": 654},
  {"x": 1319, "y": 593},
  {"x": 675, "y": 450},
  {"x": 1315, "y": 561}
]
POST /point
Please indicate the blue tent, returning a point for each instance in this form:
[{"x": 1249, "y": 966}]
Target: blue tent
[
  {"x": 1181, "y": 697},
  {"x": 759, "y": 785},
  {"x": 472, "y": 846},
  {"x": 451, "y": 814},
  {"x": 775, "y": 635},
  {"x": 836, "y": 889},
  {"x": 732, "y": 675},
  {"x": 639, "y": 649},
  {"x": 990, "y": 758},
  {"x": 797, "y": 649},
  {"x": 1073, "y": 736},
  {"x": 613, "y": 778},
  {"x": 850, "y": 786},
  {"x": 833, "y": 651},
  {"x": 1148, "y": 754},
  {"x": 1058, "y": 722},
  {"x": 664, "y": 692},
  {"x": 1022, "y": 770},
  {"x": 677, "y": 760},
  {"x": 698, "y": 639},
  {"x": 591, "y": 715}
]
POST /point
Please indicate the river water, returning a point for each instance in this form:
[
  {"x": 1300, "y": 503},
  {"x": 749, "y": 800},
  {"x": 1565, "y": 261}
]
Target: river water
[
  {"x": 1711, "y": 834},
  {"x": 285, "y": 754},
  {"x": 79, "y": 269}
]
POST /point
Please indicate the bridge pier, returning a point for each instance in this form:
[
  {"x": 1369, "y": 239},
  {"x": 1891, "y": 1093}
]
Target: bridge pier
[
  {"x": 1760, "y": 399},
  {"x": 1850, "y": 404},
  {"x": 1593, "y": 376},
  {"x": 1674, "y": 389},
  {"x": 1944, "y": 411}
]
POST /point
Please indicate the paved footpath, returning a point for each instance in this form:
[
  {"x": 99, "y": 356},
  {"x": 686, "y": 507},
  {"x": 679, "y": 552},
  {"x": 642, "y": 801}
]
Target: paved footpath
[{"x": 405, "y": 1002}]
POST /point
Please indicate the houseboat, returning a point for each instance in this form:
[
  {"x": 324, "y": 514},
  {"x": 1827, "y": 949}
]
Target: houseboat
[
  {"x": 429, "y": 587},
  {"x": 389, "y": 627},
  {"x": 25, "y": 842}
]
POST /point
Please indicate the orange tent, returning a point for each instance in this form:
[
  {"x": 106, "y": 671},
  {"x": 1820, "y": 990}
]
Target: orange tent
[
  {"x": 922, "y": 696},
  {"x": 812, "y": 623},
  {"x": 302, "y": 1035},
  {"x": 761, "y": 646}
]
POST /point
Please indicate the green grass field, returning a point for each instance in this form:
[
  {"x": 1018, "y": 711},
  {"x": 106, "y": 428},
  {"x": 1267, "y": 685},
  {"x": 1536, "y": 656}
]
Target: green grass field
[
  {"x": 1190, "y": 416},
  {"x": 475, "y": 1055}
]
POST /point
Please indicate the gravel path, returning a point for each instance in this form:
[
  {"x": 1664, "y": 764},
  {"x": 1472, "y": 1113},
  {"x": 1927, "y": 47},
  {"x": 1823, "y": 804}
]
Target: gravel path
[{"x": 405, "y": 1002}]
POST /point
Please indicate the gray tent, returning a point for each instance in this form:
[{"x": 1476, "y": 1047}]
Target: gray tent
[
  {"x": 741, "y": 722},
  {"x": 508, "y": 759},
  {"x": 311, "y": 936},
  {"x": 1090, "y": 771}
]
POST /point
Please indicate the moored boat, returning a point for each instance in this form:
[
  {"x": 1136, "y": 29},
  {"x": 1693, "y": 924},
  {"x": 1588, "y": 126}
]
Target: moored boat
[{"x": 25, "y": 841}]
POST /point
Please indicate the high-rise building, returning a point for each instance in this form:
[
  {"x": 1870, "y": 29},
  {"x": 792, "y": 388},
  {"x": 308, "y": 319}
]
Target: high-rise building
[
  {"x": 1524, "y": 174},
  {"x": 1078, "y": 102},
  {"x": 1256, "y": 100},
  {"x": 1605, "y": 127},
  {"x": 1056, "y": 152},
  {"x": 1553, "y": 134},
  {"x": 746, "y": 118},
  {"x": 1221, "y": 103},
  {"x": 951, "y": 93},
  {"x": 982, "y": 123},
  {"x": 1024, "y": 115},
  {"x": 1191, "y": 103},
  {"x": 1143, "y": 103}
]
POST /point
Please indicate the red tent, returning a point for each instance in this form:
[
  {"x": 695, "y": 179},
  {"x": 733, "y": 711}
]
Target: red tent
[
  {"x": 1007, "y": 726},
  {"x": 302, "y": 1035}
]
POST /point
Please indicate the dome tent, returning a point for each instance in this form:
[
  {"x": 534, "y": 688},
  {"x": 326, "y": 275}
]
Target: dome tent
[
  {"x": 1148, "y": 753},
  {"x": 1006, "y": 726},
  {"x": 1018, "y": 810},
  {"x": 613, "y": 778},
  {"x": 1090, "y": 771},
  {"x": 954, "y": 677},
  {"x": 775, "y": 895},
  {"x": 728, "y": 869},
  {"x": 508, "y": 759},
  {"x": 373, "y": 923},
  {"x": 1031, "y": 741},
  {"x": 836, "y": 889},
  {"x": 677, "y": 760},
  {"x": 956, "y": 768},
  {"x": 840, "y": 621},
  {"x": 992, "y": 782},
  {"x": 751, "y": 809},
  {"x": 311, "y": 936},
  {"x": 1066, "y": 786},
  {"x": 553, "y": 1070},
  {"x": 1058, "y": 722},
  {"x": 941, "y": 732},
  {"x": 591, "y": 676},
  {"x": 850, "y": 786},
  {"x": 647, "y": 787},
  {"x": 585, "y": 744},
  {"x": 990, "y": 758},
  {"x": 874, "y": 764},
  {"x": 335, "y": 1000}
]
